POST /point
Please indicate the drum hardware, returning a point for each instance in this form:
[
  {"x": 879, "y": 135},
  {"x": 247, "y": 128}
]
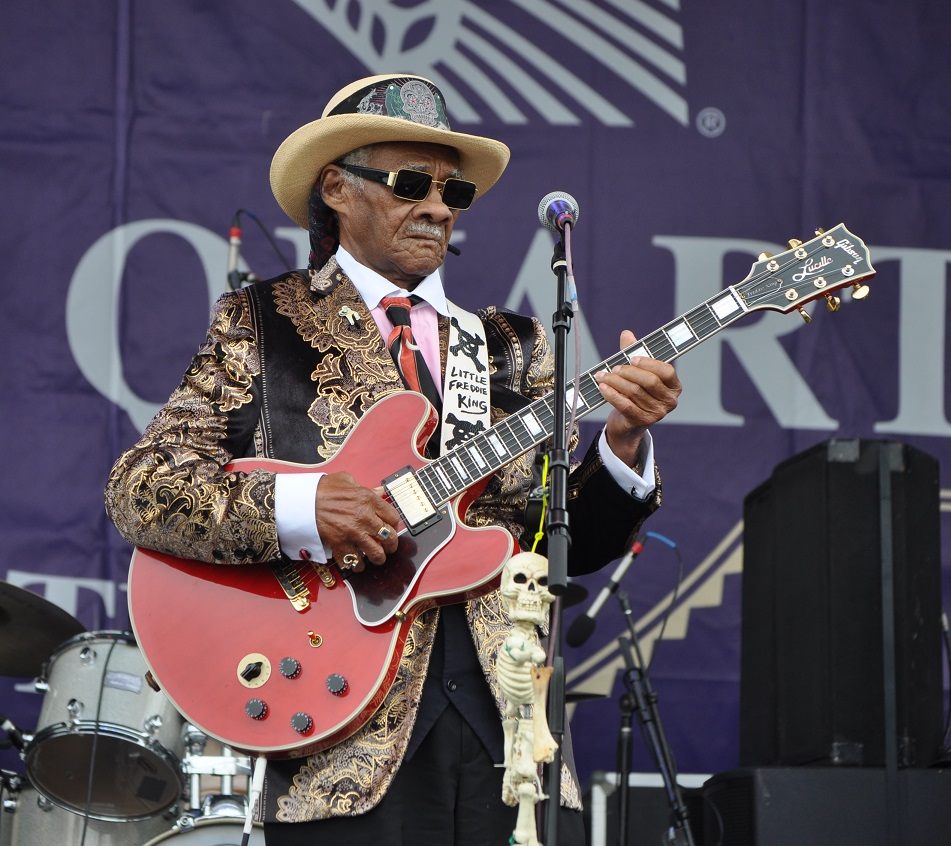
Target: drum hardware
[{"x": 225, "y": 766}]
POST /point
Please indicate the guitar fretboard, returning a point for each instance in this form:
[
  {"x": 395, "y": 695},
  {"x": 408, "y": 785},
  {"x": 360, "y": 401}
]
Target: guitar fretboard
[{"x": 480, "y": 456}]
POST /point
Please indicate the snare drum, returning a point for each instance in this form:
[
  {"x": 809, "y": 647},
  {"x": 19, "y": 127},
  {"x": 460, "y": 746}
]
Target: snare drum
[
  {"x": 29, "y": 819},
  {"x": 106, "y": 742},
  {"x": 210, "y": 832}
]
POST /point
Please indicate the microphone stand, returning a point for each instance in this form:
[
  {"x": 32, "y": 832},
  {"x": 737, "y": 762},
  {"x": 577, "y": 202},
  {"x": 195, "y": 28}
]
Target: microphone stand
[
  {"x": 644, "y": 701},
  {"x": 559, "y": 539}
]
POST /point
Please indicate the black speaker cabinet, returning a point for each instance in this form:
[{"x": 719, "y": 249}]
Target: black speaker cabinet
[
  {"x": 841, "y": 630},
  {"x": 828, "y": 806}
]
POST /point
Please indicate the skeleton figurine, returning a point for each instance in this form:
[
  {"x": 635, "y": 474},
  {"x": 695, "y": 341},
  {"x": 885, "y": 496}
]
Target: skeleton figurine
[{"x": 524, "y": 681}]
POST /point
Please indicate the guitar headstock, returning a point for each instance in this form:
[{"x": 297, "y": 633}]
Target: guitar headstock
[{"x": 807, "y": 271}]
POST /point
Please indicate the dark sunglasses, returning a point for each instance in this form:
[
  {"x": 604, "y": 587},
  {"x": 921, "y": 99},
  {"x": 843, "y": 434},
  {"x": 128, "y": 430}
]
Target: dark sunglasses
[{"x": 414, "y": 185}]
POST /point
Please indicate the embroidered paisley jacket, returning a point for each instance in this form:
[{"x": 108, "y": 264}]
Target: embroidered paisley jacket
[{"x": 284, "y": 373}]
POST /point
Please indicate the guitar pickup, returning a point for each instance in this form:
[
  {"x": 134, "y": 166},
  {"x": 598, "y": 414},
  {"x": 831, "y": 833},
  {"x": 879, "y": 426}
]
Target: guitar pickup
[{"x": 408, "y": 497}]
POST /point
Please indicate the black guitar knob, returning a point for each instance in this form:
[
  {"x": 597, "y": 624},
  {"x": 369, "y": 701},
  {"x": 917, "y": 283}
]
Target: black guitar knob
[
  {"x": 301, "y": 722},
  {"x": 256, "y": 709},
  {"x": 337, "y": 684},
  {"x": 290, "y": 668},
  {"x": 252, "y": 670}
]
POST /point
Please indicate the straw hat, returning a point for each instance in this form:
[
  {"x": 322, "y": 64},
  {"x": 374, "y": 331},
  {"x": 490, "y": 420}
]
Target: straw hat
[{"x": 381, "y": 108}]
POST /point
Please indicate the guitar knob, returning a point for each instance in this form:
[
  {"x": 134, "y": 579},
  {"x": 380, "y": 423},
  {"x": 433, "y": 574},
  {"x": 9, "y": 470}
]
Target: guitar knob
[
  {"x": 290, "y": 668},
  {"x": 252, "y": 670},
  {"x": 337, "y": 684},
  {"x": 859, "y": 291},
  {"x": 805, "y": 315},
  {"x": 256, "y": 709},
  {"x": 793, "y": 243},
  {"x": 301, "y": 722},
  {"x": 833, "y": 302}
]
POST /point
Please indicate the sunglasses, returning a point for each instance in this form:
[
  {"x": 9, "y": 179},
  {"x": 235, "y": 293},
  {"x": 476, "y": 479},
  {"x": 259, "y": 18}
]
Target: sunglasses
[{"x": 414, "y": 185}]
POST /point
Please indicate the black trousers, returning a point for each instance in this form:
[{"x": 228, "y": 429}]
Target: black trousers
[{"x": 448, "y": 794}]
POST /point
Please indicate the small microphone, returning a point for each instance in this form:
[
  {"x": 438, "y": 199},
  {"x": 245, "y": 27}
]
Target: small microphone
[
  {"x": 583, "y": 626},
  {"x": 15, "y": 735},
  {"x": 454, "y": 249},
  {"x": 234, "y": 251},
  {"x": 557, "y": 210},
  {"x": 237, "y": 278}
]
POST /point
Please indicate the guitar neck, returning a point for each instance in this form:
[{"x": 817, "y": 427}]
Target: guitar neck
[{"x": 454, "y": 472}]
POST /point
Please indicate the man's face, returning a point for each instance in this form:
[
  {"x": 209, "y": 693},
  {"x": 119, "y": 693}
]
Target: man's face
[{"x": 401, "y": 240}]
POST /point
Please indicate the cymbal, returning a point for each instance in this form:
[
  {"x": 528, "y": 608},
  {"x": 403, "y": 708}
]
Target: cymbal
[
  {"x": 31, "y": 627},
  {"x": 582, "y": 696},
  {"x": 574, "y": 593}
]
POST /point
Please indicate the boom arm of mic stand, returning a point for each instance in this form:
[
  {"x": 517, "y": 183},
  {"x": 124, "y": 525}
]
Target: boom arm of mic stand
[
  {"x": 559, "y": 539},
  {"x": 645, "y": 703}
]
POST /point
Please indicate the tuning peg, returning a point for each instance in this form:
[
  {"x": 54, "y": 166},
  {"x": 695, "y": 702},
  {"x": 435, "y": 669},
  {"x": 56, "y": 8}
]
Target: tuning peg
[
  {"x": 860, "y": 291},
  {"x": 764, "y": 256},
  {"x": 793, "y": 243},
  {"x": 820, "y": 232},
  {"x": 805, "y": 315},
  {"x": 833, "y": 302}
]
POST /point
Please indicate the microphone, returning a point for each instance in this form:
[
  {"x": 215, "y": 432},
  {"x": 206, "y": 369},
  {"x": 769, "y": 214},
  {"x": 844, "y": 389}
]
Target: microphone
[
  {"x": 235, "y": 277},
  {"x": 234, "y": 250},
  {"x": 557, "y": 210},
  {"x": 454, "y": 249},
  {"x": 15, "y": 735},
  {"x": 583, "y": 626}
]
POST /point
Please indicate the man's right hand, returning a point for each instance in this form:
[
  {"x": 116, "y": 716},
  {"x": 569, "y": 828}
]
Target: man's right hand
[{"x": 350, "y": 519}]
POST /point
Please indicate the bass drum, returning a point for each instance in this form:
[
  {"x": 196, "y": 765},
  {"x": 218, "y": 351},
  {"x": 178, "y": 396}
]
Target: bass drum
[
  {"x": 209, "y": 831},
  {"x": 30, "y": 819},
  {"x": 106, "y": 741}
]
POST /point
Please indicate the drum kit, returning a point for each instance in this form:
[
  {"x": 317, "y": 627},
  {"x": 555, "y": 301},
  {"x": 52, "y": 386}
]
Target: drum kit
[{"x": 111, "y": 763}]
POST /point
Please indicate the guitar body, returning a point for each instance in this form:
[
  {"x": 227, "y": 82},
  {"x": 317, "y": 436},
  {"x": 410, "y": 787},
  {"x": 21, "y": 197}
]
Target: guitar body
[{"x": 201, "y": 626}]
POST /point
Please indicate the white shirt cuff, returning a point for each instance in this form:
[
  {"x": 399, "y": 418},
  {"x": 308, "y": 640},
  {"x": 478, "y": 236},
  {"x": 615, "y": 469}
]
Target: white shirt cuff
[
  {"x": 640, "y": 487},
  {"x": 294, "y": 497}
]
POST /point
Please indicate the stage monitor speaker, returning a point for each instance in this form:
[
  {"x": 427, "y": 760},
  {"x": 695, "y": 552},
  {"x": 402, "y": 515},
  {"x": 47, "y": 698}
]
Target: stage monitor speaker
[{"x": 841, "y": 629}]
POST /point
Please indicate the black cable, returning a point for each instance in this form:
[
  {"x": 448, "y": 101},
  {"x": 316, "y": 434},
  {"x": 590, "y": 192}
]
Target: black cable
[
  {"x": 673, "y": 598},
  {"x": 95, "y": 742},
  {"x": 947, "y": 655},
  {"x": 271, "y": 241}
]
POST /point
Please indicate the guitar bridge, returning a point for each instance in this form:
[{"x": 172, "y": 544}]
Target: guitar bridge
[
  {"x": 409, "y": 498},
  {"x": 291, "y": 583}
]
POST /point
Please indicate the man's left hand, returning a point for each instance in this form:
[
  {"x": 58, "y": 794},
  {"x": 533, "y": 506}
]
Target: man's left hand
[{"x": 642, "y": 393}]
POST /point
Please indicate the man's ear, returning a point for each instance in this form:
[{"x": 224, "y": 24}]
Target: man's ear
[{"x": 332, "y": 187}]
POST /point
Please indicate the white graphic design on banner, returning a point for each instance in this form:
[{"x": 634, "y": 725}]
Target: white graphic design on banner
[{"x": 641, "y": 44}]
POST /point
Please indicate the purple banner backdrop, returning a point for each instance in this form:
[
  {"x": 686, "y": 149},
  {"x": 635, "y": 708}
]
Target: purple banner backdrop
[{"x": 692, "y": 135}]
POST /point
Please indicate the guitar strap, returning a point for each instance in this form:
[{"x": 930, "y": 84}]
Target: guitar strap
[{"x": 465, "y": 393}]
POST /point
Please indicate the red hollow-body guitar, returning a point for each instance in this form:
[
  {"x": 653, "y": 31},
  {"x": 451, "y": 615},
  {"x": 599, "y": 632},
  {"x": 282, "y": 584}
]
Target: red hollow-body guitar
[{"x": 286, "y": 659}]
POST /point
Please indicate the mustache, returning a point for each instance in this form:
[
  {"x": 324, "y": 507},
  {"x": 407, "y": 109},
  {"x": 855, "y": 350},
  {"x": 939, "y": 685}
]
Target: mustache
[{"x": 433, "y": 229}]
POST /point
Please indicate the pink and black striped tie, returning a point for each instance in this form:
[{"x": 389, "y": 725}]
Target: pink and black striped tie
[{"x": 407, "y": 355}]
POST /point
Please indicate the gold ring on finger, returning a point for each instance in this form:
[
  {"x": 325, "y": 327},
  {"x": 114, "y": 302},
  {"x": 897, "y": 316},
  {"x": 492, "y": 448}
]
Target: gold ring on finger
[
  {"x": 351, "y": 559},
  {"x": 384, "y": 532}
]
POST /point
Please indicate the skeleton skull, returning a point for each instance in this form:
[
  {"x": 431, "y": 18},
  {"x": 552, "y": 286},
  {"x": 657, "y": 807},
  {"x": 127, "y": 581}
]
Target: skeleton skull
[{"x": 525, "y": 594}]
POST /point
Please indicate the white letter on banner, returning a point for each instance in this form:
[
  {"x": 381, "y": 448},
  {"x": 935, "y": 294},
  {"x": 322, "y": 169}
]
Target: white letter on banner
[
  {"x": 63, "y": 591},
  {"x": 697, "y": 263},
  {"x": 922, "y": 337},
  {"x": 300, "y": 238},
  {"x": 92, "y": 305}
]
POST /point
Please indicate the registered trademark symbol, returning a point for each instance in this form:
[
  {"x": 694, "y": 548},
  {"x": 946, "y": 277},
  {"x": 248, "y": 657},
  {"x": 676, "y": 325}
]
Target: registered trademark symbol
[{"x": 711, "y": 122}]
